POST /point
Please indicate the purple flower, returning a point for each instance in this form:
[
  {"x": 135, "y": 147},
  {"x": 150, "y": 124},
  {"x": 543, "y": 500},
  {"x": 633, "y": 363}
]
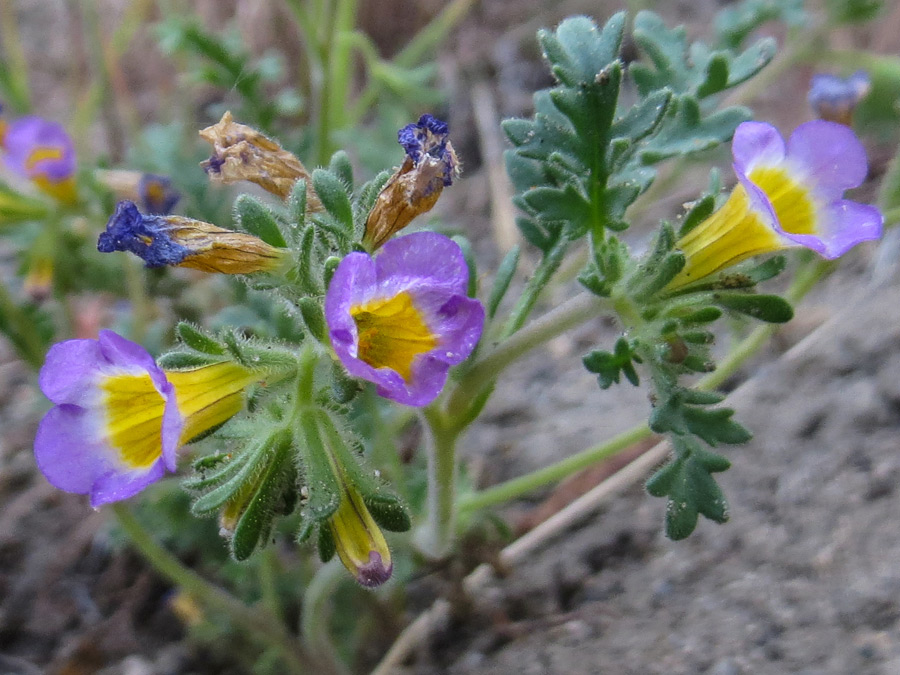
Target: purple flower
[
  {"x": 402, "y": 319},
  {"x": 115, "y": 427},
  {"x": 788, "y": 195},
  {"x": 834, "y": 98},
  {"x": 119, "y": 418},
  {"x": 42, "y": 152}
]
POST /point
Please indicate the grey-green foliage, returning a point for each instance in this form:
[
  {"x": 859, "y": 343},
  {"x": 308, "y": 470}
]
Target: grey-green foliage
[{"x": 584, "y": 158}]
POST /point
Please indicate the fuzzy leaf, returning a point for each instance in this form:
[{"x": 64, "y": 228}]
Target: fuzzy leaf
[
  {"x": 333, "y": 194},
  {"x": 256, "y": 218},
  {"x": 768, "y": 308},
  {"x": 197, "y": 340}
]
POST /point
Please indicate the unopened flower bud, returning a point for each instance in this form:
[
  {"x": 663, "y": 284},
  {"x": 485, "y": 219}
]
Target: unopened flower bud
[{"x": 359, "y": 542}]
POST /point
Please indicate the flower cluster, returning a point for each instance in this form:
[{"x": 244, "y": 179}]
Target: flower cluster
[{"x": 788, "y": 195}]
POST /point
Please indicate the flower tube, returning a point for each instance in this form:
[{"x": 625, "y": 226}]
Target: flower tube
[
  {"x": 42, "y": 152},
  {"x": 119, "y": 419},
  {"x": 184, "y": 242},
  {"x": 429, "y": 167},
  {"x": 402, "y": 319},
  {"x": 359, "y": 542},
  {"x": 788, "y": 195}
]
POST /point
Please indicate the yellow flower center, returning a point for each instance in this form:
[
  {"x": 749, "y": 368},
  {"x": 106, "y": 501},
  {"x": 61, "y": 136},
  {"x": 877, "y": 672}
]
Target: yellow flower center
[
  {"x": 134, "y": 412},
  {"x": 206, "y": 397},
  {"x": 793, "y": 203},
  {"x": 392, "y": 333},
  {"x": 41, "y": 153}
]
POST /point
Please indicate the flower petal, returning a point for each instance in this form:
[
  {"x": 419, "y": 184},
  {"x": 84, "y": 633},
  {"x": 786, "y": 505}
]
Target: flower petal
[
  {"x": 70, "y": 371},
  {"x": 756, "y": 143},
  {"x": 68, "y": 449},
  {"x": 115, "y": 486},
  {"x": 420, "y": 257},
  {"x": 830, "y": 155},
  {"x": 847, "y": 224}
]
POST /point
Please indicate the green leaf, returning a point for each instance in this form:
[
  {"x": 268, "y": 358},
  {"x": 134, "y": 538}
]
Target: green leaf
[
  {"x": 577, "y": 51},
  {"x": 341, "y": 167},
  {"x": 186, "y": 360},
  {"x": 715, "y": 426},
  {"x": 212, "y": 501},
  {"x": 700, "y": 211},
  {"x": 314, "y": 317},
  {"x": 553, "y": 204},
  {"x": 321, "y": 482},
  {"x": 196, "y": 339},
  {"x": 389, "y": 512},
  {"x": 256, "y": 218},
  {"x": 333, "y": 195},
  {"x": 690, "y": 488},
  {"x": 502, "y": 279},
  {"x": 609, "y": 366},
  {"x": 643, "y": 117},
  {"x": 768, "y": 308},
  {"x": 256, "y": 521}
]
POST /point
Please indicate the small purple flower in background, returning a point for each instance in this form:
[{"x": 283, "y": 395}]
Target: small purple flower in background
[
  {"x": 184, "y": 242},
  {"x": 402, "y": 319},
  {"x": 788, "y": 195},
  {"x": 157, "y": 194},
  {"x": 119, "y": 418},
  {"x": 415, "y": 187},
  {"x": 835, "y": 98},
  {"x": 42, "y": 152}
]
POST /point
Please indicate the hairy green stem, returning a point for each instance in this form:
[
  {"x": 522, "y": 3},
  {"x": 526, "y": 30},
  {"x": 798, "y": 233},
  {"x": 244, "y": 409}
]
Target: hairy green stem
[
  {"x": 485, "y": 370},
  {"x": 435, "y": 536},
  {"x": 515, "y": 487},
  {"x": 546, "y": 269},
  {"x": 258, "y": 623}
]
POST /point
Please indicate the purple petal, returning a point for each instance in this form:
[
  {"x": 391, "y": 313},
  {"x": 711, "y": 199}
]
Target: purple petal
[
  {"x": 70, "y": 371},
  {"x": 830, "y": 155},
  {"x": 756, "y": 143},
  {"x": 68, "y": 449},
  {"x": 123, "y": 354},
  {"x": 846, "y": 224},
  {"x": 456, "y": 319},
  {"x": 172, "y": 426},
  {"x": 422, "y": 258},
  {"x": 114, "y": 486},
  {"x": 353, "y": 282}
]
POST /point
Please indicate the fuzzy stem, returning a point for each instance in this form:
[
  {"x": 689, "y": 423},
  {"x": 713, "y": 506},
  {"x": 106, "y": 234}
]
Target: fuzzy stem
[
  {"x": 485, "y": 370},
  {"x": 260, "y": 624},
  {"x": 435, "y": 536}
]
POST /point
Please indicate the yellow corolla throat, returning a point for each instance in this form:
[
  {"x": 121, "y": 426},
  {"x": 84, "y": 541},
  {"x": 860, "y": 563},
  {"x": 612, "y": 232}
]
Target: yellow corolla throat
[
  {"x": 793, "y": 203},
  {"x": 134, "y": 413},
  {"x": 208, "y": 396},
  {"x": 357, "y": 536},
  {"x": 392, "y": 332},
  {"x": 733, "y": 233}
]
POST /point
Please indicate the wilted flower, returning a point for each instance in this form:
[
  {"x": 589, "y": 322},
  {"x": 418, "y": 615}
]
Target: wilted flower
[
  {"x": 430, "y": 165},
  {"x": 402, "y": 319},
  {"x": 787, "y": 196},
  {"x": 184, "y": 242},
  {"x": 242, "y": 153},
  {"x": 119, "y": 418},
  {"x": 359, "y": 542},
  {"x": 155, "y": 193},
  {"x": 42, "y": 152},
  {"x": 834, "y": 98}
]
